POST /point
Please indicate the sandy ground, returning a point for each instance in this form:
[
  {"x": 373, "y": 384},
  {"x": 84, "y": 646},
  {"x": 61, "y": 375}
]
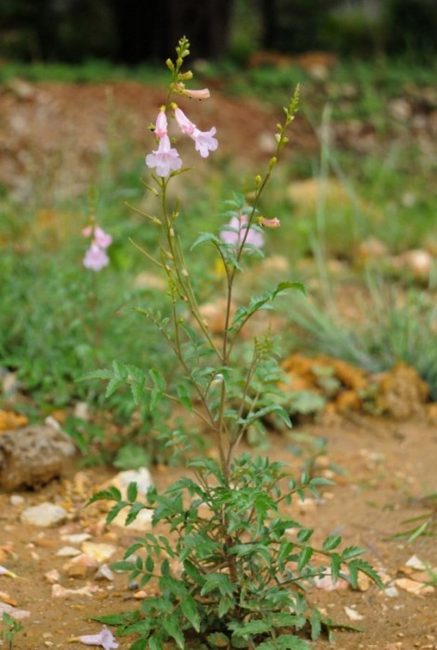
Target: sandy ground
[{"x": 387, "y": 467}]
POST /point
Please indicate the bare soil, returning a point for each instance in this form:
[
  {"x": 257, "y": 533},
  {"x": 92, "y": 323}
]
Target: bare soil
[{"x": 388, "y": 467}]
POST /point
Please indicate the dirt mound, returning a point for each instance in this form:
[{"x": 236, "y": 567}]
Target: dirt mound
[
  {"x": 55, "y": 135},
  {"x": 399, "y": 392}
]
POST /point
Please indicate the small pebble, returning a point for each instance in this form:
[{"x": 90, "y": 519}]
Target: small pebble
[
  {"x": 44, "y": 515},
  {"x": 16, "y": 500}
]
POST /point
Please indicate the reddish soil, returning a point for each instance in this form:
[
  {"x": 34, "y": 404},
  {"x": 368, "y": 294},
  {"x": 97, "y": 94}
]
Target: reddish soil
[
  {"x": 388, "y": 465},
  {"x": 61, "y": 132}
]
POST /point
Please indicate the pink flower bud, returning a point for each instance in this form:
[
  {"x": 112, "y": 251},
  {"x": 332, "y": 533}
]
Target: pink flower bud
[
  {"x": 161, "y": 124},
  {"x": 197, "y": 94},
  {"x": 270, "y": 223}
]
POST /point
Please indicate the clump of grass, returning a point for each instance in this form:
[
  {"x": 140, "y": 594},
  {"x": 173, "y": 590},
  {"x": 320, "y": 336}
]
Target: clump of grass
[{"x": 389, "y": 330}]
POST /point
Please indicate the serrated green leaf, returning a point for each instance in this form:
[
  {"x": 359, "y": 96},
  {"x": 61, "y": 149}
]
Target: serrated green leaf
[
  {"x": 361, "y": 565},
  {"x": 284, "y": 642},
  {"x": 189, "y": 610},
  {"x": 155, "y": 643},
  {"x": 335, "y": 566},
  {"x": 225, "y": 604},
  {"x": 331, "y": 542},
  {"x": 123, "y": 565},
  {"x": 304, "y": 557},
  {"x": 351, "y": 551},
  {"x": 205, "y": 237},
  {"x": 115, "y": 511},
  {"x": 184, "y": 396},
  {"x": 250, "y": 628},
  {"x": 132, "y": 491},
  {"x": 316, "y": 624},
  {"x": 158, "y": 378},
  {"x": 171, "y": 626},
  {"x": 103, "y": 373},
  {"x": 111, "y": 494}
]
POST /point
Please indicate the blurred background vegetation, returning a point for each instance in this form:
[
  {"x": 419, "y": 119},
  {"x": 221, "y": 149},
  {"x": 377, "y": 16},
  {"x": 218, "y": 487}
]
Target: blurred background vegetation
[
  {"x": 354, "y": 190},
  {"x": 136, "y": 31}
]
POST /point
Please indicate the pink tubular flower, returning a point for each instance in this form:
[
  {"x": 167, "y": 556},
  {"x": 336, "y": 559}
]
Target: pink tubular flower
[
  {"x": 186, "y": 126},
  {"x": 203, "y": 93},
  {"x": 100, "y": 237},
  {"x": 95, "y": 258},
  {"x": 204, "y": 141},
  {"x": 105, "y": 639},
  {"x": 161, "y": 124},
  {"x": 234, "y": 233},
  {"x": 270, "y": 223},
  {"x": 165, "y": 159}
]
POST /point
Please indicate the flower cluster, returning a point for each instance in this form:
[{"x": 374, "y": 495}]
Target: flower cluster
[
  {"x": 165, "y": 159},
  {"x": 238, "y": 230},
  {"x": 96, "y": 257}
]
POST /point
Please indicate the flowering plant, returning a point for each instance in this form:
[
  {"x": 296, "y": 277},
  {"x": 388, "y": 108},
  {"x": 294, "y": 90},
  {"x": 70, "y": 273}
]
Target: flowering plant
[{"x": 230, "y": 564}]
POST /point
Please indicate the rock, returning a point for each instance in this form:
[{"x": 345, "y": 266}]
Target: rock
[
  {"x": 32, "y": 456},
  {"x": 81, "y": 566},
  {"x": 99, "y": 552},
  {"x": 68, "y": 551},
  {"x": 82, "y": 411},
  {"x": 370, "y": 250},
  {"x": 413, "y": 587},
  {"x": 58, "y": 591},
  {"x": 10, "y": 386},
  {"x": 139, "y": 476},
  {"x": 104, "y": 573},
  {"x": 6, "y": 598},
  {"x": 402, "y": 393},
  {"x": 76, "y": 538},
  {"x": 419, "y": 263},
  {"x": 9, "y": 421},
  {"x": 16, "y": 500},
  {"x": 44, "y": 515},
  {"x": 352, "y": 614},
  {"x": 18, "y": 614},
  {"x": 5, "y": 572},
  {"x": 306, "y": 505},
  {"x": 52, "y": 576},
  {"x": 415, "y": 563}
]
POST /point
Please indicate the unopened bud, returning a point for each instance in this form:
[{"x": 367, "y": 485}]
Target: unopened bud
[
  {"x": 186, "y": 76},
  {"x": 258, "y": 179},
  {"x": 170, "y": 65},
  {"x": 272, "y": 162}
]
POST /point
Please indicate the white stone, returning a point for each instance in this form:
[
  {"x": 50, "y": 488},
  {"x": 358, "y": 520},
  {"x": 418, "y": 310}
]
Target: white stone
[
  {"x": 99, "y": 552},
  {"x": 104, "y": 573},
  {"x": 139, "y": 476},
  {"x": 13, "y": 611},
  {"x": 76, "y": 538},
  {"x": 44, "y": 515},
  {"x": 16, "y": 500},
  {"x": 68, "y": 551}
]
